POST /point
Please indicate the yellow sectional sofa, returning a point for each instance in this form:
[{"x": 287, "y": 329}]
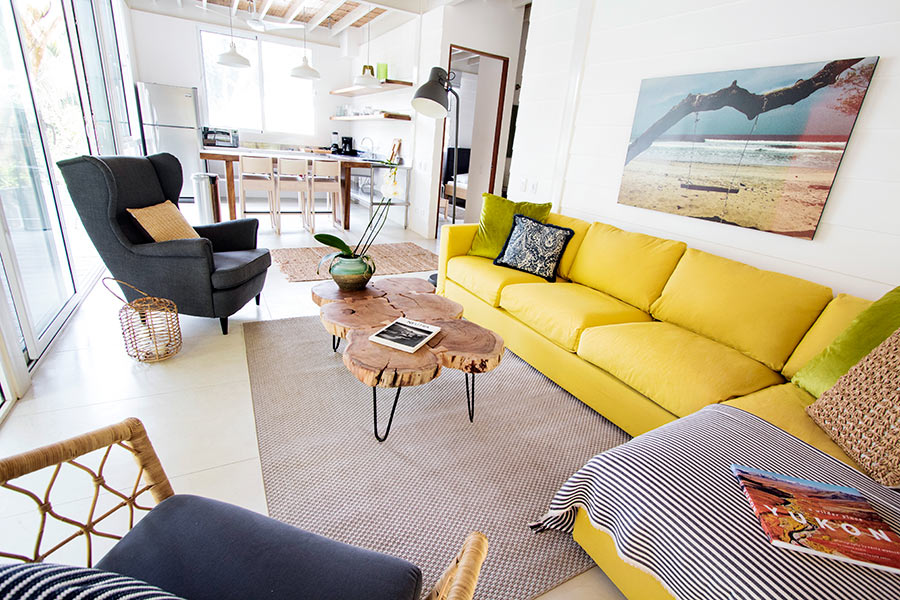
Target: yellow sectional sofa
[{"x": 645, "y": 330}]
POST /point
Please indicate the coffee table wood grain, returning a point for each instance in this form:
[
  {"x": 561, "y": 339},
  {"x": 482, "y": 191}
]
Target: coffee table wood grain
[{"x": 355, "y": 316}]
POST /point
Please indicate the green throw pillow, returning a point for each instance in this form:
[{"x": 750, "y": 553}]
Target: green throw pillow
[
  {"x": 867, "y": 331},
  {"x": 497, "y": 221}
]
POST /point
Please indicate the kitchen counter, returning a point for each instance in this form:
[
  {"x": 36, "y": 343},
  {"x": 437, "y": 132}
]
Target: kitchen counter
[{"x": 231, "y": 155}]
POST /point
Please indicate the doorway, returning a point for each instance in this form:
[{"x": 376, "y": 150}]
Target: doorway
[{"x": 480, "y": 80}]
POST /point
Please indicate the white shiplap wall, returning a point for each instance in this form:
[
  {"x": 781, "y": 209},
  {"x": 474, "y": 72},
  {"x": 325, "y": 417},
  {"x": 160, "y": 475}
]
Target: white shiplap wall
[{"x": 857, "y": 246}]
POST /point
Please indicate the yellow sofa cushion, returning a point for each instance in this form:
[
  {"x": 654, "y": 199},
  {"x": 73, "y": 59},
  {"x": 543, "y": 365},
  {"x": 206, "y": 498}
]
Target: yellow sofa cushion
[
  {"x": 485, "y": 279},
  {"x": 630, "y": 266},
  {"x": 679, "y": 370},
  {"x": 761, "y": 313},
  {"x": 561, "y": 311},
  {"x": 580, "y": 228},
  {"x": 836, "y": 317},
  {"x": 785, "y": 407}
]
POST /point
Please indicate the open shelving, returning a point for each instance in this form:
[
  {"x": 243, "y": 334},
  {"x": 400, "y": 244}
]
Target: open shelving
[
  {"x": 376, "y": 117},
  {"x": 386, "y": 86}
]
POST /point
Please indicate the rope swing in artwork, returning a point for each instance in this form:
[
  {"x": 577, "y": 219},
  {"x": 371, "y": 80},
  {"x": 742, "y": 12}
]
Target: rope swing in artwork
[{"x": 729, "y": 189}]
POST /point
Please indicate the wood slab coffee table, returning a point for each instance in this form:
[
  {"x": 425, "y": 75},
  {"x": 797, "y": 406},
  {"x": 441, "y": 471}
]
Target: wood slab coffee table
[{"x": 354, "y": 316}]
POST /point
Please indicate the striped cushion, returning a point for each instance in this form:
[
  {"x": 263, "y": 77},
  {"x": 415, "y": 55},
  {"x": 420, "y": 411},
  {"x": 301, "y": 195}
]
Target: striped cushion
[
  {"x": 671, "y": 505},
  {"x": 62, "y": 582}
]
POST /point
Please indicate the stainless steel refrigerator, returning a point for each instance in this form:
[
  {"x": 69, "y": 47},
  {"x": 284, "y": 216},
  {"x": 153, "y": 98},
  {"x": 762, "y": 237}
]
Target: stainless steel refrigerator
[{"x": 170, "y": 122}]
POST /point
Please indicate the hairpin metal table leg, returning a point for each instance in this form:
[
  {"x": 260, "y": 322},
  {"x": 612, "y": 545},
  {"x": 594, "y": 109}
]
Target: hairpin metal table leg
[
  {"x": 470, "y": 397},
  {"x": 335, "y": 343},
  {"x": 375, "y": 413}
]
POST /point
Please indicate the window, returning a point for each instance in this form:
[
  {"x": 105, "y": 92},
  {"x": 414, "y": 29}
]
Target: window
[
  {"x": 288, "y": 101},
  {"x": 264, "y": 97}
]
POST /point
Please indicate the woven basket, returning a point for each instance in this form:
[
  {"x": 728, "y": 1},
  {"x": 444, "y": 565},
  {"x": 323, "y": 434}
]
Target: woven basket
[{"x": 149, "y": 325}]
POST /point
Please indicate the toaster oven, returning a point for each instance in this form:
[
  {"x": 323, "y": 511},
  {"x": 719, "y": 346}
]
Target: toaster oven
[{"x": 223, "y": 138}]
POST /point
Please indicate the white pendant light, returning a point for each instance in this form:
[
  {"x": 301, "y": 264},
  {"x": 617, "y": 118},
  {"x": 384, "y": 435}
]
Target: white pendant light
[
  {"x": 367, "y": 78},
  {"x": 233, "y": 58},
  {"x": 304, "y": 71}
]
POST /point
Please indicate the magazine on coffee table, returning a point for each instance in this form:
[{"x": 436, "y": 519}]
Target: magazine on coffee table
[
  {"x": 819, "y": 518},
  {"x": 405, "y": 334}
]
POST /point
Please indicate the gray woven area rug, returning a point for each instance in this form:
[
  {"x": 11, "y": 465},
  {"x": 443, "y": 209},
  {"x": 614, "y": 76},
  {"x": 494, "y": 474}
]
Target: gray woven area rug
[{"x": 437, "y": 477}]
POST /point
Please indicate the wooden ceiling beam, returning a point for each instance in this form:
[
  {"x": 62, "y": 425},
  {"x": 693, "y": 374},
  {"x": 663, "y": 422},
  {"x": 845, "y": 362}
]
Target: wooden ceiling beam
[
  {"x": 265, "y": 9},
  {"x": 295, "y": 9},
  {"x": 325, "y": 12},
  {"x": 352, "y": 17}
]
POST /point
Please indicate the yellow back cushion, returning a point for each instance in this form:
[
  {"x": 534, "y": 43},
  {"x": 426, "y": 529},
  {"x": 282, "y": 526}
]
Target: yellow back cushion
[
  {"x": 630, "y": 266},
  {"x": 580, "y": 228},
  {"x": 836, "y": 317},
  {"x": 761, "y": 313}
]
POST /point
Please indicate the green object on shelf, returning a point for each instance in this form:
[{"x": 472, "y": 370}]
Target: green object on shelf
[{"x": 382, "y": 71}]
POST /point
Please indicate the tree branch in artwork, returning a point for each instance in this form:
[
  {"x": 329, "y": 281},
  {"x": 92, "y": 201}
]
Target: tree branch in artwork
[{"x": 742, "y": 100}]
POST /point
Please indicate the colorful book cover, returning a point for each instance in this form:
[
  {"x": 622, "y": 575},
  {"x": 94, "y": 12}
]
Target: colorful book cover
[{"x": 830, "y": 520}]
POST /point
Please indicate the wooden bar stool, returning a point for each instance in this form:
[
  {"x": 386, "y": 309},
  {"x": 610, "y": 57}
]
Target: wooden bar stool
[
  {"x": 293, "y": 176},
  {"x": 327, "y": 178},
  {"x": 258, "y": 173}
]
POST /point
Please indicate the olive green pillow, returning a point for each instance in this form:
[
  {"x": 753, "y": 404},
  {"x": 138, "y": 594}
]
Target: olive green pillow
[
  {"x": 497, "y": 221},
  {"x": 864, "y": 333}
]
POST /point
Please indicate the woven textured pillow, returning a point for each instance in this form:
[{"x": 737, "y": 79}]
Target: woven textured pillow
[
  {"x": 63, "y": 582},
  {"x": 534, "y": 247},
  {"x": 163, "y": 222},
  {"x": 861, "y": 412}
]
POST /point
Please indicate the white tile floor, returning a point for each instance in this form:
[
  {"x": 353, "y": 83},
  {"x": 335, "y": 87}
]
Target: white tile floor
[{"x": 196, "y": 406}]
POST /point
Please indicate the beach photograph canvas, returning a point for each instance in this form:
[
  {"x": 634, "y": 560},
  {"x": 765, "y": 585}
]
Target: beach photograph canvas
[{"x": 757, "y": 148}]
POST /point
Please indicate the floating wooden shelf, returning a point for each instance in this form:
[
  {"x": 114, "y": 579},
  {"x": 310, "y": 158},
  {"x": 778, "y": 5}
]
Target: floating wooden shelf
[
  {"x": 358, "y": 90},
  {"x": 375, "y": 117}
]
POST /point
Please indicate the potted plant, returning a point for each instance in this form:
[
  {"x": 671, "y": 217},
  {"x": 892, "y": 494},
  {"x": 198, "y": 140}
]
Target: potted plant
[{"x": 351, "y": 268}]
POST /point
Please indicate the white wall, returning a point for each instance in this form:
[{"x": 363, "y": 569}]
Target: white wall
[
  {"x": 467, "y": 88},
  {"x": 857, "y": 246},
  {"x": 483, "y": 131},
  {"x": 397, "y": 48},
  {"x": 167, "y": 51},
  {"x": 426, "y": 160}
]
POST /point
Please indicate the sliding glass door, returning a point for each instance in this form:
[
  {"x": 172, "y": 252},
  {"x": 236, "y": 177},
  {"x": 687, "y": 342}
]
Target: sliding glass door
[
  {"x": 63, "y": 93},
  {"x": 38, "y": 78}
]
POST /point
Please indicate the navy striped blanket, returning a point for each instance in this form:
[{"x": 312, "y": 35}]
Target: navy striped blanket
[{"x": 673, "y": 508}]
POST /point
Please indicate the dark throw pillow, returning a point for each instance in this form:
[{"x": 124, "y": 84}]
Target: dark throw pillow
[{"x": 534, "y": 247}]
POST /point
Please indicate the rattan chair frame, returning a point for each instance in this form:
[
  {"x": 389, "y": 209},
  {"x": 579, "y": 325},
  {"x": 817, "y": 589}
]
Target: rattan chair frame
[
  {"x": 129, "y": 435},
  {"x": 456, "y": 583}
]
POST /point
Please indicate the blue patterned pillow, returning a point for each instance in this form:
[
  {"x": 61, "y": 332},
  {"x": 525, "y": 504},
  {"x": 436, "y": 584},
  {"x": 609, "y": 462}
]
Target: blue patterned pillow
[
  {"x": 534, "y": 247},
  {"x": 62, "y": 582}
]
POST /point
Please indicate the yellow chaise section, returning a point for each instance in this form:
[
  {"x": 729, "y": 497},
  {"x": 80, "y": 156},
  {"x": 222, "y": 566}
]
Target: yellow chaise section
[{"x": 679, "y": 370}]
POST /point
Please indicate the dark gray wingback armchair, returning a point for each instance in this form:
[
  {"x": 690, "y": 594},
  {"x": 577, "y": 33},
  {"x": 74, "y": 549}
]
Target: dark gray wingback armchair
[{"x": 211, "y": 276}]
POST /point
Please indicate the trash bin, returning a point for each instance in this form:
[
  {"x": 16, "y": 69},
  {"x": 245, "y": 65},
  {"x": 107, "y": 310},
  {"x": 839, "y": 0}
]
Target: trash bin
[{"x": 206, "y": 195}]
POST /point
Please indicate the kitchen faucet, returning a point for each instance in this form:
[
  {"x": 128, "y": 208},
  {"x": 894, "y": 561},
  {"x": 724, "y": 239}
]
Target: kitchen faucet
[{"x": 371, "y": 152}]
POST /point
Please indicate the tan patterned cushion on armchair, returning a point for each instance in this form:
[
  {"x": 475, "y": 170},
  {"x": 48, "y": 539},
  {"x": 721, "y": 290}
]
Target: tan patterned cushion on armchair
[{"x": 861, "y": 412}]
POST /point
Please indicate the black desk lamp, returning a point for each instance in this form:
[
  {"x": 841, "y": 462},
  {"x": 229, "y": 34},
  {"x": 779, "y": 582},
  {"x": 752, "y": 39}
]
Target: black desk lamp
[{"x": 432, "y": 100}]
